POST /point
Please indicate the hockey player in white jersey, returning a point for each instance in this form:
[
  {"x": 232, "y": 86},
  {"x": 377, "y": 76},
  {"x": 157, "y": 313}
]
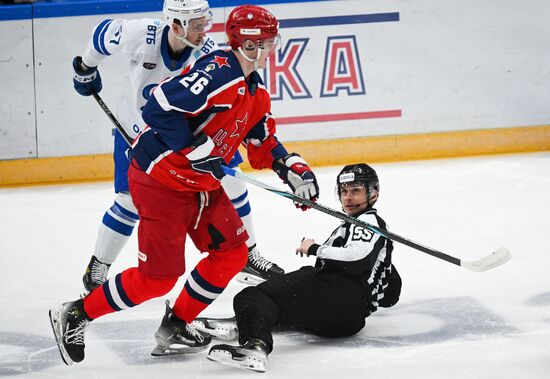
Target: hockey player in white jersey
[{"x": 155, "y": 50}]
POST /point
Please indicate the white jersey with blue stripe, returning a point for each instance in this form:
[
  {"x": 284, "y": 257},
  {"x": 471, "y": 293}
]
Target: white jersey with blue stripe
[{"x": 145, "y": 43}]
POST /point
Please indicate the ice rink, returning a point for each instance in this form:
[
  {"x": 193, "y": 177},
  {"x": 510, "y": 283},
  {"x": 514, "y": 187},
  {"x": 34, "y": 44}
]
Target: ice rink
[{"x": 449, "y": 323}]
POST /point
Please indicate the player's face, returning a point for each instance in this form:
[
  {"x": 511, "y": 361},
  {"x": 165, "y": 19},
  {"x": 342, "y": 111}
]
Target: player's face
[
  {"x": 267, "y": 48},
  {"x": 353, "y": 197},
  {"x": 197, "y": 30}
]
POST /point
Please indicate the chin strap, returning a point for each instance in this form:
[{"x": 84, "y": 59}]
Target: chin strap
[
  {"x": 185, "y": 40},
  {"x": 360, "y": 205},
  {"x": 256, "y": 61}
]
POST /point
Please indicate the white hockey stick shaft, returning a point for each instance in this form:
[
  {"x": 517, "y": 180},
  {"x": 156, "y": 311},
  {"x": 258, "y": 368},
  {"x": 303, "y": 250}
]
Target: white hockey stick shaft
[{"x": 495, "y": 259}]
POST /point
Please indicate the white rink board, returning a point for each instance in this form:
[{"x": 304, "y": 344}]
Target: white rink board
[
  {"x": 17, "y": 114},
  {"x": 437, "y": 66}
]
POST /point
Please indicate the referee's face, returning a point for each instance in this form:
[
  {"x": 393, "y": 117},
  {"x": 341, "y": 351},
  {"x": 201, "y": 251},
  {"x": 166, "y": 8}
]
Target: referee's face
[{"x": 354, "y": 198}]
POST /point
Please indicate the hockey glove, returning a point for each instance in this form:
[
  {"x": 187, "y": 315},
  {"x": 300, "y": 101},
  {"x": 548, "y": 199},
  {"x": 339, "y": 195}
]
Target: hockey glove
[
  {"x": 86, "y": 80},
  {"x": 202, "y": 158},
  {"x": 295, "y": 172}
]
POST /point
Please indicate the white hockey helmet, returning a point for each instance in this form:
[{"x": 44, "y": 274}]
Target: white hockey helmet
[{"x": 185, "y": 11}]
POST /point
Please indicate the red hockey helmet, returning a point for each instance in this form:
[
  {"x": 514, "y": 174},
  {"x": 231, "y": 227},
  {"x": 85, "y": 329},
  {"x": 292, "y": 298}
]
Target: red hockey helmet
[{"x": 250, "y": 22}]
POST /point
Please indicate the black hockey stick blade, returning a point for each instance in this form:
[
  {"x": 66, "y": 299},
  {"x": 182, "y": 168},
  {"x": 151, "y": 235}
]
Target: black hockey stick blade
[{"x": 493, "y": 260}]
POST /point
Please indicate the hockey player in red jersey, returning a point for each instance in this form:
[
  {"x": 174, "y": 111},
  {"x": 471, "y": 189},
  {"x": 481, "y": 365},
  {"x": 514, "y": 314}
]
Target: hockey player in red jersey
[
  {"x": 195, "y": 122},
  {"x": 152, "y": 50}
]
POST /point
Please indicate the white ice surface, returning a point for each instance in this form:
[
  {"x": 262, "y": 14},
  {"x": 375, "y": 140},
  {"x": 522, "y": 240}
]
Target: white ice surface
[{"x": 449, "y": 323}]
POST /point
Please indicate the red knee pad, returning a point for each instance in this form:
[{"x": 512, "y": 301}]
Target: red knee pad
[
  {"x": 140, "y": 287},
  {"x": 221, "y": 266}
]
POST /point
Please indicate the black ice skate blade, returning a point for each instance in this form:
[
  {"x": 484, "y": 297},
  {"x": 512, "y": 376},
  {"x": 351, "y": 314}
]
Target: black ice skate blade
[
  {"x": 160, "y": 351},
  {"x": 54, "y": 321},
  {"x": 225, "y": 358}
]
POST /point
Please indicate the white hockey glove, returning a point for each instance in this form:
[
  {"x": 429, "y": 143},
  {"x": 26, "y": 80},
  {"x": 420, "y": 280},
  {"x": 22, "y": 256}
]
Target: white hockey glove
[
  {"x": 202, "y": 159},
  {"x": 295, "y": 172}
]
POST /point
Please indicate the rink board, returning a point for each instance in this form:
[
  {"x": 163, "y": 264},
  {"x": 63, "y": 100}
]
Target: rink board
[
  {"x": 317, "y": 153},
  {"x": 353, "y": 79}
]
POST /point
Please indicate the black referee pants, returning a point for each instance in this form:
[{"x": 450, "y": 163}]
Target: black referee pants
[{"x": 328, "y": 305}]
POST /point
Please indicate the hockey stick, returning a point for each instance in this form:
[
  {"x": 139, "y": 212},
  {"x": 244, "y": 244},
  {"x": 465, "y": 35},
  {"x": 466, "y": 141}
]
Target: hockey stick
[
  {"x": 112, "y": 118},
  {"x": 495, "y": 259}
]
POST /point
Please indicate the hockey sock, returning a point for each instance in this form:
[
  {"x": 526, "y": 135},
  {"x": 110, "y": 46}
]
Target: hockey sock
[
  {"x": 238, "y": 194},
  {"x": 208, "y": 280},
  {"x": 249, "y": 225},
  {"x": 116, "y": 228},
  {"x": 125, "y": 290}
]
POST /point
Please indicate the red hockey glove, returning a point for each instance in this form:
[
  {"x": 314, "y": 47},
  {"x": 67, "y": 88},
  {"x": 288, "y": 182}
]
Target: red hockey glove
[{"x": 295, "y": 172}]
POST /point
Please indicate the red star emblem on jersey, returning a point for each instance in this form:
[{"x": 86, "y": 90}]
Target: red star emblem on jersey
[{"x": 220, "y": 61}]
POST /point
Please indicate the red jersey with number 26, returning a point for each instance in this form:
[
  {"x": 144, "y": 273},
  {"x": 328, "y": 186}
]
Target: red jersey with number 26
[{"x": 213, "y": 98}]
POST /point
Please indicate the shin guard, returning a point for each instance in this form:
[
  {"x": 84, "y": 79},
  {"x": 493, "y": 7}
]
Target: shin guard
[{"x": 208, "y": 280}]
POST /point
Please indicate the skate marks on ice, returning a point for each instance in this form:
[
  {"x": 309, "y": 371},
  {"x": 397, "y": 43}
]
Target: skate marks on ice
[
  {"x": 131, "y": 341},
  {"x": 420, "y": 323},
  {"x": 540, "y": 300},
  {"x": 21, "y": 353}
]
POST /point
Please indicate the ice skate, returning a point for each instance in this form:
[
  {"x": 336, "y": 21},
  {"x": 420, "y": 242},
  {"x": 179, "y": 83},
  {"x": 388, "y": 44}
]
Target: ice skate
[
  {"x": 95, "y": 275},
  {"x": 69, "y": 324},
  {"x": 258, "y": 269},
  {"x": 220, "y": 328},
  {"x": 252, "y": 355},
  {"x": 175, "y": 336}
]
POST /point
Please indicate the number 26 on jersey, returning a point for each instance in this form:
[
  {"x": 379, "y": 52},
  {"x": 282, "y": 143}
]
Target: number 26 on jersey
[{"x": 194, "y": 85}]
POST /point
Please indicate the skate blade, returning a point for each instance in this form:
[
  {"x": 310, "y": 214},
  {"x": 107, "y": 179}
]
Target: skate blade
[
  {"x": 225, "y": 358},
  {"x": 161, "y": 351},
  {"x": 219, "y": 332},
  {"x": 250, "y": 279},
  {"x": 56, "y": 328}
]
